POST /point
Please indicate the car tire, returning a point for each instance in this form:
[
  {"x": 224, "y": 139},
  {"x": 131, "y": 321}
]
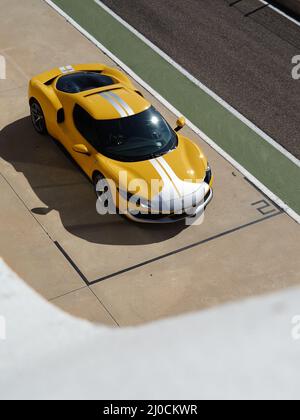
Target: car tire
[
  {"x": 97, "y": 178},
  {"x": 38, "y": 118}
]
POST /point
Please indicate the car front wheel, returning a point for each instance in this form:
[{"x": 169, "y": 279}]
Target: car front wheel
[
  {"x": 102, "y": 189},
  {"x": 37, "y": 117}
]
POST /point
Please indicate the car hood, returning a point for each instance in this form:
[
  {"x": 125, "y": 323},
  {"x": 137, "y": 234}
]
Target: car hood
[{"x": 177, "y": 174}]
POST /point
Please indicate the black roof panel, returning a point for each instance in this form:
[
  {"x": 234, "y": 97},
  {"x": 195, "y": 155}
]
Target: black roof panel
[{"x": 83, "y": 81}]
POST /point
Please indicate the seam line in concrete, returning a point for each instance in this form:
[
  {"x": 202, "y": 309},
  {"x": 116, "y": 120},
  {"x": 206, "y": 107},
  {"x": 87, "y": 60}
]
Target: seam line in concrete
[
  {"x": 186, "y": 248},
  {"x": 166, "y": 255},
  {"x": 67, "y": 293},
  {"x": 104, "y": 307},
  {"x": 52, "y": 300},
  {"x": 24, "y": 204}
]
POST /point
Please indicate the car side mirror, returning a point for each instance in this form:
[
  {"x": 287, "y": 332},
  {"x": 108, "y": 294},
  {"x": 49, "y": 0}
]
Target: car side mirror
[
  {"x": 180, "y": 123},
  {"x": 139, "y": 93},
  {"x": 81, "y": 148},
  {"x": 60, "y": 116}
]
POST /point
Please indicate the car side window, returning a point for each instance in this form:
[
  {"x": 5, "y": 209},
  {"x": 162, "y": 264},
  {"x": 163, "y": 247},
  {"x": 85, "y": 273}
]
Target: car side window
[{"x": 85, "y": 124}]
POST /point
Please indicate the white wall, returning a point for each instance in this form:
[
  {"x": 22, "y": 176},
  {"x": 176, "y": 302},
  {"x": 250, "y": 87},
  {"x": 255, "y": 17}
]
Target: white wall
[{"x": 244, "y": 350}]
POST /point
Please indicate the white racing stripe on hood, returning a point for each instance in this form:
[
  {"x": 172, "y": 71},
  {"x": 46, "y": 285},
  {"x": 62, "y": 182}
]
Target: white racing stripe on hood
[
  {"x": 169, "y": 189},
  {"x": 177, "y": 194},
  {"x": 185, "y": 188},
  {"x": 110, "y": 99},
  {"x": 127, "y": 108}
]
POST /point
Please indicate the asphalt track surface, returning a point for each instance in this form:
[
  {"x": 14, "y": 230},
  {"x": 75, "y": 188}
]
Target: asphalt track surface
[{"x": 244, "y": 58}]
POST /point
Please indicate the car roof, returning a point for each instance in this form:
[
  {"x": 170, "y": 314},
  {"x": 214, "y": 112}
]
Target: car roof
[{"x": 101, "y": 95}]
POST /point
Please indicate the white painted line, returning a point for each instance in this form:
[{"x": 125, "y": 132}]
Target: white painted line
[
  {"x": 209, "y": 141},
  {"x": 280, "y": 12},
  {"x": 201, "y": 85},
  {"x": 16, "y": 65}
]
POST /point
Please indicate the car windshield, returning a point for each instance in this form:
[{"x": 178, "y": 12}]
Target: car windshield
[{"x": 139, "y": 137}]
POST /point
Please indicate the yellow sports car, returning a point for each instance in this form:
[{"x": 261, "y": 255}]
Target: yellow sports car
[{"x": 136, "y": 161}]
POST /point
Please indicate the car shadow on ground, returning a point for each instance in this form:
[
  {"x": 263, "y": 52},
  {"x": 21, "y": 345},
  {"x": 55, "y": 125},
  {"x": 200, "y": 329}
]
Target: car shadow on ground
[{"x": 60, "y": 184}]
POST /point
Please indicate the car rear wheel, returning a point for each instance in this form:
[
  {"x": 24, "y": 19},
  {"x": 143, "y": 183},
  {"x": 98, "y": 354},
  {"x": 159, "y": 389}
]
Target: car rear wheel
[{"x": 37, "y": 117}]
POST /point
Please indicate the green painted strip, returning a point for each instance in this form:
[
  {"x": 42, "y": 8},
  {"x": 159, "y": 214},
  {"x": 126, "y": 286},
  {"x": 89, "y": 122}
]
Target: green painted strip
[{"x": 260, "y": 158}]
